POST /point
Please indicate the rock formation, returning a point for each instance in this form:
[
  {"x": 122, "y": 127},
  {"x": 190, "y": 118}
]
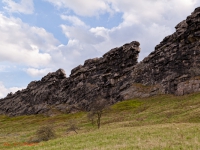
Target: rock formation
[
  {"x": 106, "y": 77},
  {"x": 175, "y": 60},
  {"x": 38, "y": 97},
  {"x": 172, "y": 68}
]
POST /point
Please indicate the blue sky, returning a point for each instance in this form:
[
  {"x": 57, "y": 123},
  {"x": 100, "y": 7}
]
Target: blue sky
[{"x": 41, "y": 36}]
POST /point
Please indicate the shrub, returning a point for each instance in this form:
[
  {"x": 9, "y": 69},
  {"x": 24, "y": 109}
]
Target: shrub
[{"x": 44, "y": 133}]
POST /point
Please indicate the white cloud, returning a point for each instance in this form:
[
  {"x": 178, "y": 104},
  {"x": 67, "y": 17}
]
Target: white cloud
[
  {"x": 24, "y": 6},
  {"x": 38, "y": 72},
  {"x": 84, "y": 8},
  {"x": 100, "y": 39},
  {"x": 134, "y": 11},
  {"x": 74, "y": 53},
  {"x": 73, "y": 19},
  {"x": 4, "y": 91},
  {"x": 163, "y": 12},
  {"x": 81, "y": 34},
  {"x": 34, "y": 48},
  {"x": 24, "y": 44},
  {"x": 147, "y": 21},
  {"x": 100, "y": 31},
  {"x": 148, "y": 36}
]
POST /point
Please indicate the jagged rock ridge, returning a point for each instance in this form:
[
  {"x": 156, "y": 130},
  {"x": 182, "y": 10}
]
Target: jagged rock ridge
[
  {"x": 175, "y": 60},
  {"x": 170, "y": 69},
  {"x": 105, "y": 76}
]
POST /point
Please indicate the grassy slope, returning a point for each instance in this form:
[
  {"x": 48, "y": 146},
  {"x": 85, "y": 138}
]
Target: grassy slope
[{"x": 161, "y": 122}]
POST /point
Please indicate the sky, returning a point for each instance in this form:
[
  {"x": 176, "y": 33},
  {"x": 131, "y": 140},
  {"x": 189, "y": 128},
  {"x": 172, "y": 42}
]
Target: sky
[{"x": 41, "y": 36}]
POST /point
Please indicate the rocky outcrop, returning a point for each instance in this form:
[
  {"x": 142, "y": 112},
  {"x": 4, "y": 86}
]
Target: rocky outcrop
[
  {"x": 175, "y": 60},
  {"x": 38, "y": 97},
  {"x": 107, "y": 77},
  {"x": 172, "y": 68},
  {"x": 189, "y": 86}
]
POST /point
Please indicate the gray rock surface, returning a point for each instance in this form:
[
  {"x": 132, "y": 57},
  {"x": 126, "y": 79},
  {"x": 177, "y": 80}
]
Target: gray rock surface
[
  {"x": 175, "y": 60},
  {"x": 106, "y": 77},
  {"x": 172, "y": 68}
]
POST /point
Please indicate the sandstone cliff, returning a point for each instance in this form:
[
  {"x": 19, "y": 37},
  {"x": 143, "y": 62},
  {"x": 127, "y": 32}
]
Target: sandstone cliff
[{"x": 172, "y": 68}]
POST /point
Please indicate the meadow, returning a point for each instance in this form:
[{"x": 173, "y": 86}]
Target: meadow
[{"x": 164, "y": 122}]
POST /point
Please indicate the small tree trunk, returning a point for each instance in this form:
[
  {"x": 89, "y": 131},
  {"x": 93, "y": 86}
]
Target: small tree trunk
[{"x": 99, "y": 120}]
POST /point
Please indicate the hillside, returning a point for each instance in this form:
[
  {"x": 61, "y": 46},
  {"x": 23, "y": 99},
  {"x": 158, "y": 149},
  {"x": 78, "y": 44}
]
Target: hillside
[
  {"x": 172, "y": 68},
  {"x": 158, "y": 122}
]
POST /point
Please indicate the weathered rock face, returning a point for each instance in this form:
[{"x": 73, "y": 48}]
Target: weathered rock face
[
  {"x": 36, "y": 98},
  {"x": 105, "y": 77},
  {"x": 173, "y": 68},
  {"x": 175, "y": 60}
]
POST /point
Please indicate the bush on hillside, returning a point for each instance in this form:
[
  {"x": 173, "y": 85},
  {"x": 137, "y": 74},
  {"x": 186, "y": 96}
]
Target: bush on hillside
[{"x": 44, "y": 133}]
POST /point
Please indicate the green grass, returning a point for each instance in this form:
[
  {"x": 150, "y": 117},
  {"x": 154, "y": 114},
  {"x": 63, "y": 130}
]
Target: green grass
[
  {"x": 126, "y": 105},
  {"x": 161, "y": 122}
]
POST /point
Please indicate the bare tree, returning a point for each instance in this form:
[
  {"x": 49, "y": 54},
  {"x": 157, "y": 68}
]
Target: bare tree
[{"x": 97, "y": 109}]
